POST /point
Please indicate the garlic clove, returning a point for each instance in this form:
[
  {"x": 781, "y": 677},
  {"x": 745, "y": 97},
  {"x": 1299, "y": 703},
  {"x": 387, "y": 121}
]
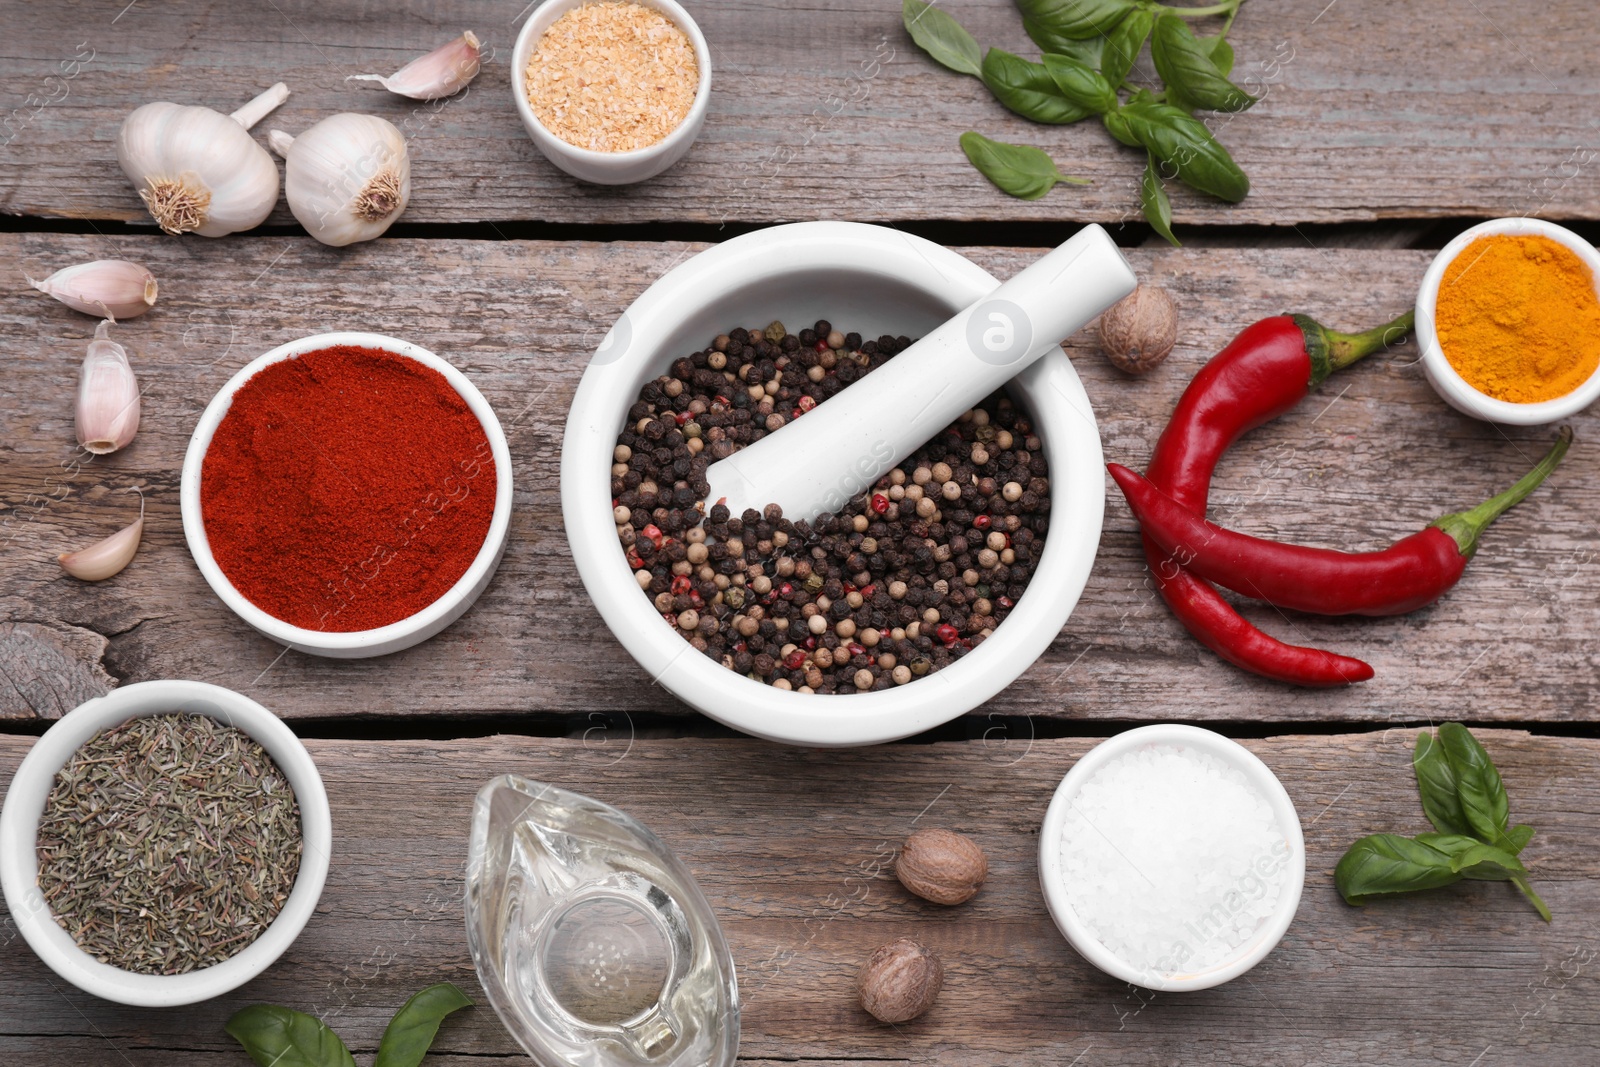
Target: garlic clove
[
  {"x": 105, "y": 558},
  {"x": 107, "y": 288},
  {"x": 347, "y": 178},
  {"x": 443, "y": 72},
  {"x": 198, "y": 170},
  {"x": 108, "y": 396}
]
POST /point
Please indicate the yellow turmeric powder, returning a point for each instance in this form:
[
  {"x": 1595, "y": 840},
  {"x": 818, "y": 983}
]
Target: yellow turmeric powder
[{"x": 1518, "y": 318}]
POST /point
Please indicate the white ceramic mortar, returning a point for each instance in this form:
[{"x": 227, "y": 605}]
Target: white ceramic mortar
[{"x": 868, "y": 279}]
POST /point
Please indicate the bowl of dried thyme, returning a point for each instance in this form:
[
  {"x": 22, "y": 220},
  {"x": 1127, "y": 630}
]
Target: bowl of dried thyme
[{"x": 165, "y": 843}]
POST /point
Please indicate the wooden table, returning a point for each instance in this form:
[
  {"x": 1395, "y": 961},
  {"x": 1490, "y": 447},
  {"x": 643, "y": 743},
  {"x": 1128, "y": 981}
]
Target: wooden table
[{"x": 1384, "y": 130}]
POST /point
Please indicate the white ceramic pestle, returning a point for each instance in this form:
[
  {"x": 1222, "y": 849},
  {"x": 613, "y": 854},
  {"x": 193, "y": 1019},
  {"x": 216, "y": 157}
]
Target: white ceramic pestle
[{"x": 816, "y": 463}]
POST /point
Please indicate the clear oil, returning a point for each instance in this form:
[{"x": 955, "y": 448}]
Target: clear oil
[{"x": 594, "y": 943}]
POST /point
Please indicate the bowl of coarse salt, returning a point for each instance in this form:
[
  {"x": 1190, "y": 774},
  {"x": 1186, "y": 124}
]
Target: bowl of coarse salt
[{"x": 1171, "y": 857}]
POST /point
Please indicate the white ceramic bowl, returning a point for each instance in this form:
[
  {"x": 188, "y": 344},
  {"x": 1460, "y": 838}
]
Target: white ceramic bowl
[
  {"x": 25, "y": 800},
  {"x": 869, "y": 279},
  {"x": 610, "y": 168},
  {"x": 1444, "y": 378},
  {"x": 356, "y": 643},
  {"x": 1260, "y": 777}
]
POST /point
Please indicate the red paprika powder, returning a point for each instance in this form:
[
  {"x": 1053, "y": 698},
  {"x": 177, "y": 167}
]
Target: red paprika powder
[{"x": 346, "y": 489}]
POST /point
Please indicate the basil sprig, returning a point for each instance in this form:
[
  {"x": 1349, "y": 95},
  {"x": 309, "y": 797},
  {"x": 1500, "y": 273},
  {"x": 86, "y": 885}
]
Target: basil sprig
[
  {"x": 1088, "y": 52},
  {"x": 942, "y": 37},
  {"x": 1021, "y": 170},
  {"x": 1465, "y": 800},
  {"x": 1028, "y": 89},
  {"x": 276, "y": 1036}
]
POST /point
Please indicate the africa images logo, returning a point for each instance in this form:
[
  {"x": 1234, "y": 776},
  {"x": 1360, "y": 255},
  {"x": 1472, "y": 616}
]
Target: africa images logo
[{"x": 999, "y": 332}]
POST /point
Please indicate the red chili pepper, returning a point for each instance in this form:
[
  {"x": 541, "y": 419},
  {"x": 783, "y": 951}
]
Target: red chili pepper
[
  {"x": 1261, "y": 374},
  {"x": 1409, "y": 574}
]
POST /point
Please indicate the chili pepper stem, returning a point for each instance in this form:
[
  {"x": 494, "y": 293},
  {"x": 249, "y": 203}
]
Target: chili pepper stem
[
  {"x": 1345, "y": 348},
  {"x": 1331, "y": 350},
  {"x": 1467, "y": 526}
]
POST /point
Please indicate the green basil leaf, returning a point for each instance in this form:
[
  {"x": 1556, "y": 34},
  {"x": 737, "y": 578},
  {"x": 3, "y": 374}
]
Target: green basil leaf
[
  {"x": 1436, "y": 782},
  {"x": 1153, "y": 198},
  {"x": 410, "y": 1033},
  {"x": 1533, "y": 898},
  {"x": 941, "y": 36},
  {"x": 281, "y": 1037},
  {"x": 1117, "y": 125},
  {"x": 1077, "y": 19},
  {"x": 1085, "y": 51},
  {"x": 1518, "y": 837},
  {"x": 1220, "y": 51},
  {"x": 1387, "y": 863},
  {"x": 1486, "y": 863},
  {"x": 1187, "y": 67},
  {"x": 1123, "y": 45},
  {"x": 1028, "y": 89},
  {"x": 1183, "y": 142},
  {"x": 1021, "y": 170},
  {"x": 1080, "y": 83},
  {"x": 1483, "y": 795}
]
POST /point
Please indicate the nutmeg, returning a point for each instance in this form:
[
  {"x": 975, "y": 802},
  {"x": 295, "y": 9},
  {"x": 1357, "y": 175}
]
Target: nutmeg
[
  {"x": 941, "y": 865},
  {"x": 900, "y": 981},
  {"x": 1138, "y": 331}
]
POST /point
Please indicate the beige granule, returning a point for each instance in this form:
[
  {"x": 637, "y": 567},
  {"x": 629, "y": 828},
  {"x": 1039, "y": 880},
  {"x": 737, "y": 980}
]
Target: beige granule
[{"x": 612, "y": 77}]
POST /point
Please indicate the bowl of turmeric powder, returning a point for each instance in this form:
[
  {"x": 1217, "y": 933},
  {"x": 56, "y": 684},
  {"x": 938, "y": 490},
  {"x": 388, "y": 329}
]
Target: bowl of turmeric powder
[{"x": 1508, "y": 319}]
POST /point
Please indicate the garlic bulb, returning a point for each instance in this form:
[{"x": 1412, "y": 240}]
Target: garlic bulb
[
  {"x": 105, "y": 558},
  {"x": 443, "y": 72},
  {"x": 108, "y": 396},
  {"x": 108, "y": 288},
  {"x": 346, "y": 178},
  {"x": 198, "y": 170}
]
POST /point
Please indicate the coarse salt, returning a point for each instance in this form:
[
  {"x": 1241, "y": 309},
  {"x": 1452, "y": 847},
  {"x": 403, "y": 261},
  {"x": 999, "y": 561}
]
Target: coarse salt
[
  {"x": 612, "y": 77},
  {"x": 1172, "y": 859}
]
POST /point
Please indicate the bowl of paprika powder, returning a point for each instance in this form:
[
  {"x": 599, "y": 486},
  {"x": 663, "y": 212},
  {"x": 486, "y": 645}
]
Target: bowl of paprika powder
[{"x": 347, "y": 494}]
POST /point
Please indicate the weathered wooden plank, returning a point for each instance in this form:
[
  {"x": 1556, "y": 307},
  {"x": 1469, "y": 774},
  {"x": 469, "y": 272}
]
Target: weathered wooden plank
[
  {"x": 828, "y": 109},
  {"x": 801, "y": 884},
  {"x": 1375, "y": 456}
]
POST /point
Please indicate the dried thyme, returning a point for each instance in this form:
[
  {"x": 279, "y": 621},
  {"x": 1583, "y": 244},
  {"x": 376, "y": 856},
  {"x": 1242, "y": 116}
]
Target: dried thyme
[{"x": 168, "y": 844}]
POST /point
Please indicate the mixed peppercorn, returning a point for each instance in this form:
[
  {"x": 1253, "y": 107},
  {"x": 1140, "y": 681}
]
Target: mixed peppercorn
[{"x": 910, "y": 576}]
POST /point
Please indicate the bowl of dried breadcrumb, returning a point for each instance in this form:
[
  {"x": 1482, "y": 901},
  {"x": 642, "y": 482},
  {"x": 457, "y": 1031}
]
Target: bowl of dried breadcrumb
[{"x": 611, "y": 91}]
